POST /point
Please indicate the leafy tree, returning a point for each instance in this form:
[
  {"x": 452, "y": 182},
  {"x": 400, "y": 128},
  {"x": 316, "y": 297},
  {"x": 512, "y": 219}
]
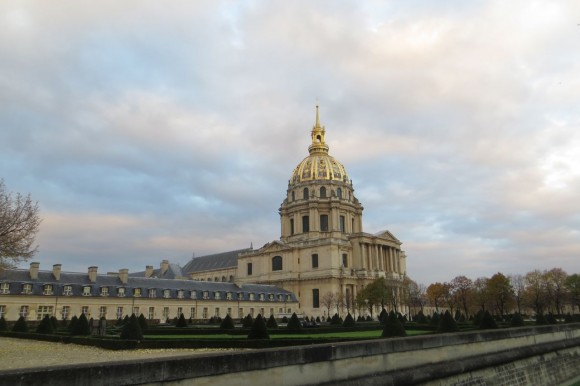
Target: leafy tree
[
  {"x": 20, "y": 325},
  {"x": 227, "y": 323},
  {"x": 348, "y": 321},
  {"x": 462, "y": 288},
  {"x": 487, "y": 322},
  {"x": 447, "y": 323},
  {"x": 573, "y": 287},
  {"x": 45, "y": 326},
  {"x": 19, "y": 223},
  {"x": 271, "y": 323},
  {"x": 393, "y": 327},
  {"x": 517, "y": 320},
  {"x": 294, "y": 323},
  {"x": 81, "y": 327},
  {"x": 181, "y": 322},
  {"x": 3, "y": 325},
  {"x": 556, "y": 287},
  {"x": 143, "y": 322},
  {"x": 501, "y": 292},
  {"x": 519, "y": 286},
  {"x": 132, "y": 330},
  {"x": 481, "y": 292},
  {"x": 259, "y": 330},
  {"x": 436, "y": 294},
  {"x": 378, "y": 292},
  {"x": 536, "y": 295}
]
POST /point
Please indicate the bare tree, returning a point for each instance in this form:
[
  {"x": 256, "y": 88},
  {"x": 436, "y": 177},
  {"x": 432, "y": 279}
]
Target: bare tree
[
  {"x": 519, "y": 285},
  {"x": 19, "y": 223},
  {"x": 328, "y": 300}
]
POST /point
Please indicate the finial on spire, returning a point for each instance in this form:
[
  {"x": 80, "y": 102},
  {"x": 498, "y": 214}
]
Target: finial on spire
[{"x": 317, "y": 115}]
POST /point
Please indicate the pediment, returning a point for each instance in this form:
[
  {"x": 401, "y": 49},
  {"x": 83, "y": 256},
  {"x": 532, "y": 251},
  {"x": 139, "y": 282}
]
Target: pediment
[
  {"x": 387, "y": 235},
  {"x": 274, "y": 246}
]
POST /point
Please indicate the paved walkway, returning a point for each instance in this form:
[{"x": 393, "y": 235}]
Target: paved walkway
[{"x": 25, "y": 353}]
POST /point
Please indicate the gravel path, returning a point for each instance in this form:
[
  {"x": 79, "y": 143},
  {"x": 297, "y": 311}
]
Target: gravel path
[{"x": 25, "y": 353}]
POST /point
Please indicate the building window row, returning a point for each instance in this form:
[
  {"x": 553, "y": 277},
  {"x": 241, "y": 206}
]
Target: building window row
[{"x": 322, "y": 193}]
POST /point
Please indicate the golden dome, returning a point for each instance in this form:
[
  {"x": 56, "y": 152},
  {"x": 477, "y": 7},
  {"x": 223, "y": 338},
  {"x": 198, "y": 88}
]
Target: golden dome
[{"x": 319, "y": 165}]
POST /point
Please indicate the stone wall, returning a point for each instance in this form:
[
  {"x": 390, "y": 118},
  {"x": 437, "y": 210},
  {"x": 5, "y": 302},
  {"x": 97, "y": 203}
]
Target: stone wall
[{"x": 546, "y": 355}]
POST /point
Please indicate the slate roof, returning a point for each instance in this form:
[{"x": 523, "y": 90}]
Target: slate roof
[
  {"x": 174, "y": 272},
  {"x": 16, "y": 278},
  {"x": 213, "y": 262}
]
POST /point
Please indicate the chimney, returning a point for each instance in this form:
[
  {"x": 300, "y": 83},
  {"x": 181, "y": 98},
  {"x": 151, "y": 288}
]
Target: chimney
[
  {"x": 124, "y": 275},
  {"x": 93, "y": 274},
  {"x": 56, "y": 271},
  {"x": 34, "y": 270},
  {"x": 164, "y": 267},
  {"x": 148, "y": 271}
]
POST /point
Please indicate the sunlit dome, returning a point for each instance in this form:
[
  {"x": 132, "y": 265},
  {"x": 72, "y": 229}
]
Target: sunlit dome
[{"x": 319, "y": 165}]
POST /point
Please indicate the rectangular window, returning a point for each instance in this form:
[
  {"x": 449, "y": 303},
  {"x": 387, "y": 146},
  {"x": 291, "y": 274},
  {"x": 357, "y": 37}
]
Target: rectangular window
[
  {"x": 166, "y": 293},
  {"x": 165, "y": 313},
  {"x": 315, "y": 260},
  {"x": 192, "y": 312},
  {"x": 86, "y": 291},
  {"x": 324, "y": 223},
  {"x": 252, "y": 312},
  {"x": 252, "y": 296},
  {"x": 342, "y": 224},
  {"x": 240, "y": 296},
  {"x": 136, "y": 311},
  {"x": 27, "y": 289},
  {"x": 102, "y": 312},
  {"x": 204, "y": 315},
  {"x": 206, "y": 294},
  {"x": 262, "y": 312},
  {"x": 47, "y": 289},
  {"x": 180, "y": 311},
  {"x": 229, "y": 296},
  {"x": 23, "y": 311},
  {"x": 4, "y": 288},
  {"x": 104, "y": 291},
  {"x": 249, "y": 269},
  {"x": 85, "y": 310},
  {"x": 137, "y": 292},
  {"x": 42, "y": 311},
  {"x": 151, "y": 313},
  {"x": 262, "y": 298},
  {"x": 152, "y": 293},
  {"x": 271, "y": 297},
  {"x": 271, "y": 311},
  {"x": 315, "y": 298},
  {"x": 291, "y": 227},
  {"x": 305, "y": 224},
  {"x": 121, "y": 292},
  {"x": 217, "y": 312},
  {"x": 240, "y": 313},
  {"x": 67, "y": 290},
  {"x": 2, "y": 311},
  {"x": 65, "y": 312},
  {"x": 230, "y": 312},
  {"x": 344, "y": 260},
  {"x": 289, "y": 298},
  {"x": 119, "y": 313}
]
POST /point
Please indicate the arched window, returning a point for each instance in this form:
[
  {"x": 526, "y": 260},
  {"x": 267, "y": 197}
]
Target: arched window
[
  {"x": 231, "y": 278},
  {"x": 323, "y": 192},
  {"x": 277, "y": 263},
  {"x": 305, "y": 194},
  {"x": 223, "y": 278},
  {"x": 339, "y": 192},
  {"x": 293, "y": 196}
]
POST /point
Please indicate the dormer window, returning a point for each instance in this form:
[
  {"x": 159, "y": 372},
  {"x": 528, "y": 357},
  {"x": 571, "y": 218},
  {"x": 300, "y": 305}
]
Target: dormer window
[
  {"x": 262, "y": 297},
  {"x": 104, "y": 291},
  {"x": 137, "y": 292},
  {"x": 4, "y": 288},
  {"x": 180, "y": 294},
  {"x": 229, "y": 296},
  {"x": 252, "y": 296},
  {"x": 67, "y": 290},
  {"x": 206, "y": 294},
  {"x": 240, "y": 296},
  {"x": 289, "y": 298},
  {"x": 194, "y": 294},
  {"x": 152, "y": 293},
  {"x": 271, "y": 297},
  {"x": 217, "y": 295},
  {"x": 47, "y": 289},
  {"x": 121, "y": 292},
  {"x": 166, "y": 294},
  {"x": 27, "y": 289},
  {"x": 87, "y": 291}
]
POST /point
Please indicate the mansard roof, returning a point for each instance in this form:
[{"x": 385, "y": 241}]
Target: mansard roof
[
  {"x": 173, "y": 272},
  {"x": 214, "y": 262}
]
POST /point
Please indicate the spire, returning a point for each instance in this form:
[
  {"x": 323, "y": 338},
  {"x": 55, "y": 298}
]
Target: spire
[{"x": 318, "y": 145}]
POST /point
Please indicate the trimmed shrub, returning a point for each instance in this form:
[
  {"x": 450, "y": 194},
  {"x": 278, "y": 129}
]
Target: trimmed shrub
[
  {"x": 143, "y": 322},
  {"x": 551, "y": 319},
  {"x": 335, "y": 320},
  {"x": 20, "y": 325},
  {"x": 285, "y": 319},
  {"x": 517, "y": 320},
  {"x": 294, "y": 323},
  {"x": 132, "y": 330},
  {"x": 259, "y": 330},
  {"x": 45, "y": 326},
  {"x": 181, "y": 322},
  {"x": 72, "y": 325},
  {"x": 369, "y": 318},
  {"x": 248, "y": 321},
  {"x": 421, "y": 318},
  {"x": 360, "y": 319},
  {"x": 3, "y": 325},
  {"x": 119, "y": 322},
  {"x": 447, "y": 323},
  {"x": 54, "y": 323},
  {"x": 541, "y": 319},
  {"x": 318, "y": 319},
  {"x": 478, "y": 317},
  {"x": 487, "y": 322},
  {"x": 81, "y": 327},
  {"x": 383, "y": 316},
  {"x": 348, "y": 321},
  {"x": 227, "y": 324},
  {"x": 393, "y": 327},
  {"x": 435, "y": 319},
  {"x": 271, "y": 323}
]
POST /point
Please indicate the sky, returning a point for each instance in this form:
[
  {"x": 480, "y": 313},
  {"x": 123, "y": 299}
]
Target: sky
[{"x": 151, "y": 130}]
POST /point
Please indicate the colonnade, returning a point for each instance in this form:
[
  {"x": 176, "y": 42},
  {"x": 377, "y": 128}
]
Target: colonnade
[{"x": 380, "y": 257}]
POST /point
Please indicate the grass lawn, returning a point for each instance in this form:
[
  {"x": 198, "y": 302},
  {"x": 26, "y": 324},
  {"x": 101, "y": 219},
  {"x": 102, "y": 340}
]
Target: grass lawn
[{"x": 348, "y": 334}]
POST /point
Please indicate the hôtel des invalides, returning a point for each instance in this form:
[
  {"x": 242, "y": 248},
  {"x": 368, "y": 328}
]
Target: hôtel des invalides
[{"x": 322, "y": 249}]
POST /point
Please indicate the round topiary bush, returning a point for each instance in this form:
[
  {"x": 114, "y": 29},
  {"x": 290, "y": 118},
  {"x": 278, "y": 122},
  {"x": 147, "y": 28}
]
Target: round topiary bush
[
  {"x": 487, "y": 322},
  {"x": 20, "y": 325},
  {"x": 393, "y": 327},
  {"x": 517, "y": 320},
  {"x": 227, "y": 324},
  {"x": 447, "y": 323},
  {"x": 294, "y": 323},
  {"x": 271, "y": 323},
  {"x": 348, "y": 321},
  {"x": 259, "y": 330},
  {"x": 132, "y": 330},
  {"x": 45, "y": 326}
]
